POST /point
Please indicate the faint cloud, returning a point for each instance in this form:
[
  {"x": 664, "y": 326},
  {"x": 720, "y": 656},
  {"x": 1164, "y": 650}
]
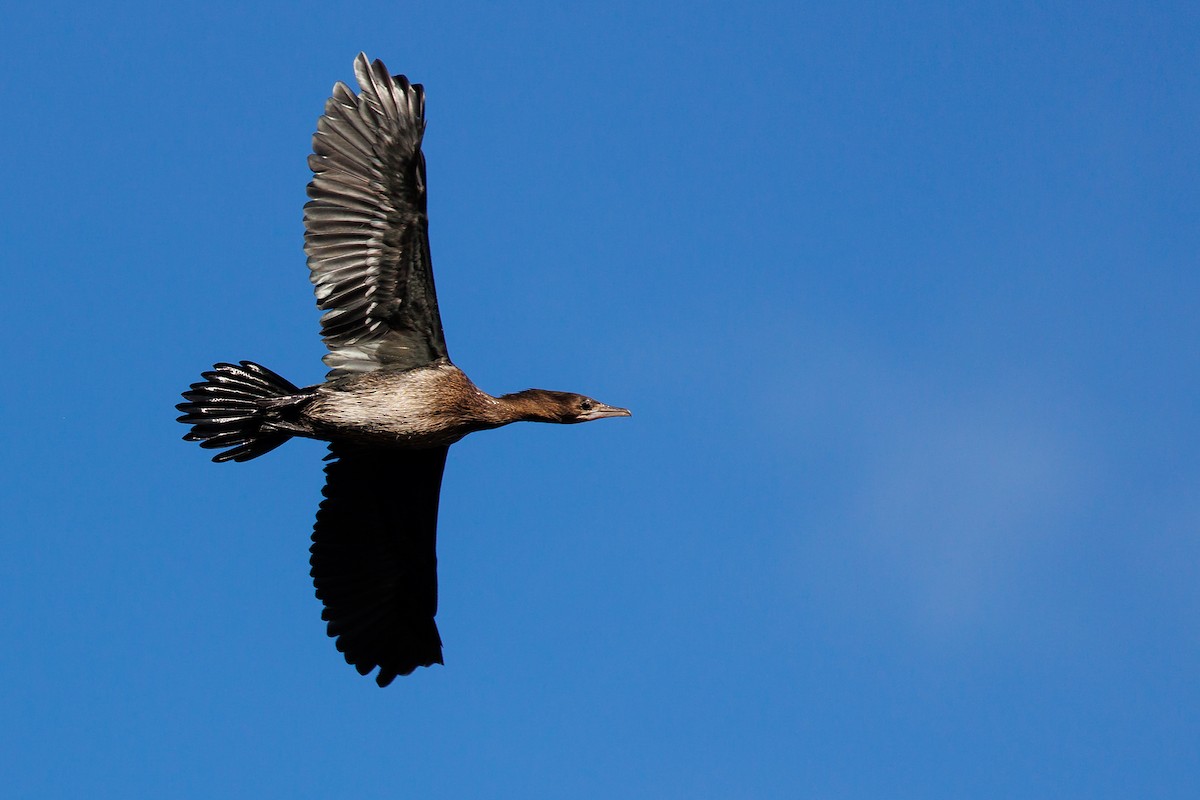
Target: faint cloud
[
  {"x": 961, "y": 499},
  {"x": 946, "y": 497}
]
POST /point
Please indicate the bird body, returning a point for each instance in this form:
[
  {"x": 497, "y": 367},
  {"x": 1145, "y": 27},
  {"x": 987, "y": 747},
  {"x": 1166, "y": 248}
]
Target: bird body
[
  {"x": 434, "y": 405},
  {"x": 392, "y": 403}
]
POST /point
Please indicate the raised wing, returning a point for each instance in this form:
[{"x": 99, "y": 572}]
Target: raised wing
[
  {"x": 374, "y": 557},
  {"x": 366, "y": 232}
]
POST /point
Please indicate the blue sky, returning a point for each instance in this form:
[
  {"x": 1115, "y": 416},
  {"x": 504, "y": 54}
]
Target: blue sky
[{"x": 903, "y": 300}]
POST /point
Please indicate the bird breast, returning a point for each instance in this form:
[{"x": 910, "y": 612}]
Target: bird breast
[{"x": 423, "y": 407}]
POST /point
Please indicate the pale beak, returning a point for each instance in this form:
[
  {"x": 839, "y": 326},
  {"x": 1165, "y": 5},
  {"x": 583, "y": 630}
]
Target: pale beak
[{"x": 601, "y": 411}]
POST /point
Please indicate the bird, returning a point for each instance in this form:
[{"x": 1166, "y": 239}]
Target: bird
[{"x": 392, "y": 402}]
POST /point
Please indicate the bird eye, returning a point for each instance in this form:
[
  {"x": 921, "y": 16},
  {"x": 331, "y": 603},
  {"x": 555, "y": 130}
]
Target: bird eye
[{"x": 586, "y": 405}]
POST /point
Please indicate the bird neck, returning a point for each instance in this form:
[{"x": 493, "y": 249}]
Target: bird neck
[{"x": 531, "y": 405}]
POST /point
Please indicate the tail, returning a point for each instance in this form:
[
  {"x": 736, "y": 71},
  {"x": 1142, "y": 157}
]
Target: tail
[{"x": 235, "y": 406}]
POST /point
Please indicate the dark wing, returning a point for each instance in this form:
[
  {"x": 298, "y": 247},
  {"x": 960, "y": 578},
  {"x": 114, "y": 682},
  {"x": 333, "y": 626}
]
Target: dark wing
[
  {"x": 374, "y": 557},
  {"x": 366, "y": 233}
]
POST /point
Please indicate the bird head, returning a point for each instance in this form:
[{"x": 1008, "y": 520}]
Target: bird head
[{"x": 566, "y": 408}]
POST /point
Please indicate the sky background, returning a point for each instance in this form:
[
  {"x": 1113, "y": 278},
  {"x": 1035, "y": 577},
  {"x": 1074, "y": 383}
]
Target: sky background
[{"x": 904, "y": 300}]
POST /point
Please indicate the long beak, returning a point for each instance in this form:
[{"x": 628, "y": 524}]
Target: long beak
[{"x": 601, "y": 411}]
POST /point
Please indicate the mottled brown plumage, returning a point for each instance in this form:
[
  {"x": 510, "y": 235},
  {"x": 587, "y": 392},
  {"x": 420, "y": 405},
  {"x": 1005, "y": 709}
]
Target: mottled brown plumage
[{"x": 392, "y": 402}]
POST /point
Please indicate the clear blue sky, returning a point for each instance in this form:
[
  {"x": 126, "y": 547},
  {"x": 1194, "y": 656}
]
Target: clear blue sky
[{"x": 905, "y": 304}]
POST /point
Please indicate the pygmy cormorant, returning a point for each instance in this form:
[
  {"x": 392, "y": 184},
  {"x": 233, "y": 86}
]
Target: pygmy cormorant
[{"x": 392, "y": 402}]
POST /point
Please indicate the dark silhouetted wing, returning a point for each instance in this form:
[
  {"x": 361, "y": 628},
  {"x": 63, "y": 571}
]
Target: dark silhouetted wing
[
  {"x": 366, "y": 233},
  {"x": 374, "y": 557}
]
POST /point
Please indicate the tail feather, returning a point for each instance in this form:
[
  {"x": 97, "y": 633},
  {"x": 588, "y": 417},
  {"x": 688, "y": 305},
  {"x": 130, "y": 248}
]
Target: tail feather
[{"x": 232, "y": 408}]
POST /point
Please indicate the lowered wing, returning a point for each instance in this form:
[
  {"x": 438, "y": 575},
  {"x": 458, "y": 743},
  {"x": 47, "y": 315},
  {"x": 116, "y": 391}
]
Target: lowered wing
[{"x": 374, "y": 557}]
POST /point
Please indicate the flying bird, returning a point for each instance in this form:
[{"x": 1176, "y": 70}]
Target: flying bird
[{"x": 392, "y": 402}]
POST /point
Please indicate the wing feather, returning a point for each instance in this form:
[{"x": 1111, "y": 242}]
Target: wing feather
[
  {"x": 366, "y": 231},
  {"x": 374, "y": 557}
]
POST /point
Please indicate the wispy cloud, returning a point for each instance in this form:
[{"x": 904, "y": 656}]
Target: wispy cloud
[
  {"x": 961, "y": 497},
  {"x": 950, "y": 491}
]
